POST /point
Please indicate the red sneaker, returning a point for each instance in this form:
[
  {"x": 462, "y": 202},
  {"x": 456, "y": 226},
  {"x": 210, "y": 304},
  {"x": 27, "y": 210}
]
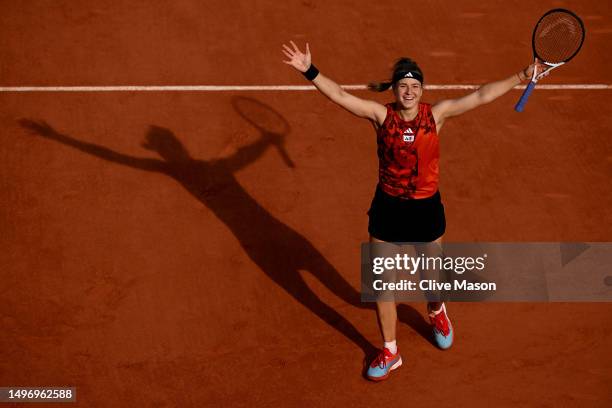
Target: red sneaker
[
  {"x": 442, "y": 328},
  {"x": 383, "y": 364}
]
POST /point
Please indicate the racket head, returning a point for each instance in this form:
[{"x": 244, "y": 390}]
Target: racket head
[{"x": 558, "y": 36}]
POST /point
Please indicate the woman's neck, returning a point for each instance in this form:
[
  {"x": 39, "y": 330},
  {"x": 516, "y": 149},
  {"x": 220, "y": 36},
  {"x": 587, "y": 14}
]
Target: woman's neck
[{"x": 408, "y": 114}]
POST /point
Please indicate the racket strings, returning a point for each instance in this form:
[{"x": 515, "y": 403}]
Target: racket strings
[{"x": 558, "y": 37}]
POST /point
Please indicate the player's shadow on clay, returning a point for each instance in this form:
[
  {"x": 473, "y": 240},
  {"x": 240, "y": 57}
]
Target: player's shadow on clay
[{"x": 279, "y": 251}]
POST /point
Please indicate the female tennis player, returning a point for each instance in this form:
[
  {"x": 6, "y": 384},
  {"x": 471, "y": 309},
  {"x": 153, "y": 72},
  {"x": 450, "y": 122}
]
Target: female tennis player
[{"x": 407, "y": 206}]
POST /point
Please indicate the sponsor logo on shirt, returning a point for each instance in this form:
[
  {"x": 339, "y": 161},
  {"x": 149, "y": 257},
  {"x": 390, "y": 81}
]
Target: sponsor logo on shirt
[{"x": 408, "y": 135}]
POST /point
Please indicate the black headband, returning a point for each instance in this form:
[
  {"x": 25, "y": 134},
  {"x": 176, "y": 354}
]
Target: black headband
[{"x": 407, "y": 74}]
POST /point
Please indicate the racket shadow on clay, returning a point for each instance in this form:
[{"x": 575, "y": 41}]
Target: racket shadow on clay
[{"x": 267, "y": 121}]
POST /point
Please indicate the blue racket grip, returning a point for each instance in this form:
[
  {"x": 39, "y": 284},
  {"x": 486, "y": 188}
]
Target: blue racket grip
[{"x": 521, "y": 103}]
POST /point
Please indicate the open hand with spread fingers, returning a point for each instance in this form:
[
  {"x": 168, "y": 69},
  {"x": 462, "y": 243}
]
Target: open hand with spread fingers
[
  {"x": 297, "y": 59},
  {"x": 39, "y": 127}
]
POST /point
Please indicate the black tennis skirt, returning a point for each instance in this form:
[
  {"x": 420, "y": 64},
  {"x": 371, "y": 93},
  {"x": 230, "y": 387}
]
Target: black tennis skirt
[{"x": 394, "y": 219}]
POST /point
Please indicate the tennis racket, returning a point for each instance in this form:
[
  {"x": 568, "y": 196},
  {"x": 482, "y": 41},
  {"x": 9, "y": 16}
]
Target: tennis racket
[{"x": 556, "y": 39}]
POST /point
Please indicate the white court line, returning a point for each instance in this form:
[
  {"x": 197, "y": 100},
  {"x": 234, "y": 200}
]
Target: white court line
[{"x": 217, "y": 88}]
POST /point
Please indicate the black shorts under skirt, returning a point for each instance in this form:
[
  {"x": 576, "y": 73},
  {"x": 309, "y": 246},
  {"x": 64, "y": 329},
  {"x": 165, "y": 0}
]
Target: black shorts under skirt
[{"x": 394, "y": 219}]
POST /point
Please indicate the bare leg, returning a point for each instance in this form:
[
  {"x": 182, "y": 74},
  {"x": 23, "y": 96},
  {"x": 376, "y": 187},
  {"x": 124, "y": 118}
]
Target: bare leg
[
  {"x": 387, "y": 319},
  {"x": 435, "y": 305},
  {"x": 387, "y": 314}
]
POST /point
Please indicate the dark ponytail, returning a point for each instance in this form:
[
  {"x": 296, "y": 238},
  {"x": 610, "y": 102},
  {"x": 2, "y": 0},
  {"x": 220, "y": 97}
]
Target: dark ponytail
[
  {"x": 401, "y": 69},
  {"x": 379, "y": 86}
]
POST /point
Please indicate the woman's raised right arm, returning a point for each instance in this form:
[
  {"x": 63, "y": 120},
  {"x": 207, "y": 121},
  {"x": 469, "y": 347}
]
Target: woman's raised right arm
[{"x": 363, "y": 108}]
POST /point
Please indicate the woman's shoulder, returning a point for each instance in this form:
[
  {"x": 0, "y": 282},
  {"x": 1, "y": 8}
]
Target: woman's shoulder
[
  {"x": 425, "y": 110},
  {"x": 426, "y": 116},
  {"x": 390, "y": 111}
]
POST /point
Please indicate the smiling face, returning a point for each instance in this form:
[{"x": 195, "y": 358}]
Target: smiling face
[{"x": 408, "y": 92}]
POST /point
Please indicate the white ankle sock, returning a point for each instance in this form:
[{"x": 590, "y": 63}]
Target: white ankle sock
[
  {"x": 436, "y": 312},
  {"x": 392, "y": 346}
]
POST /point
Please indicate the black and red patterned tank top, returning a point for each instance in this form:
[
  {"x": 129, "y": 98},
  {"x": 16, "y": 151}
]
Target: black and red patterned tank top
[{"x": 408, "y": 154}]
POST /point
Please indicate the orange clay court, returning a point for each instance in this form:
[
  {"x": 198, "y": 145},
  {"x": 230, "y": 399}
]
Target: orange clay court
[{"x": 235, "y": 280}]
